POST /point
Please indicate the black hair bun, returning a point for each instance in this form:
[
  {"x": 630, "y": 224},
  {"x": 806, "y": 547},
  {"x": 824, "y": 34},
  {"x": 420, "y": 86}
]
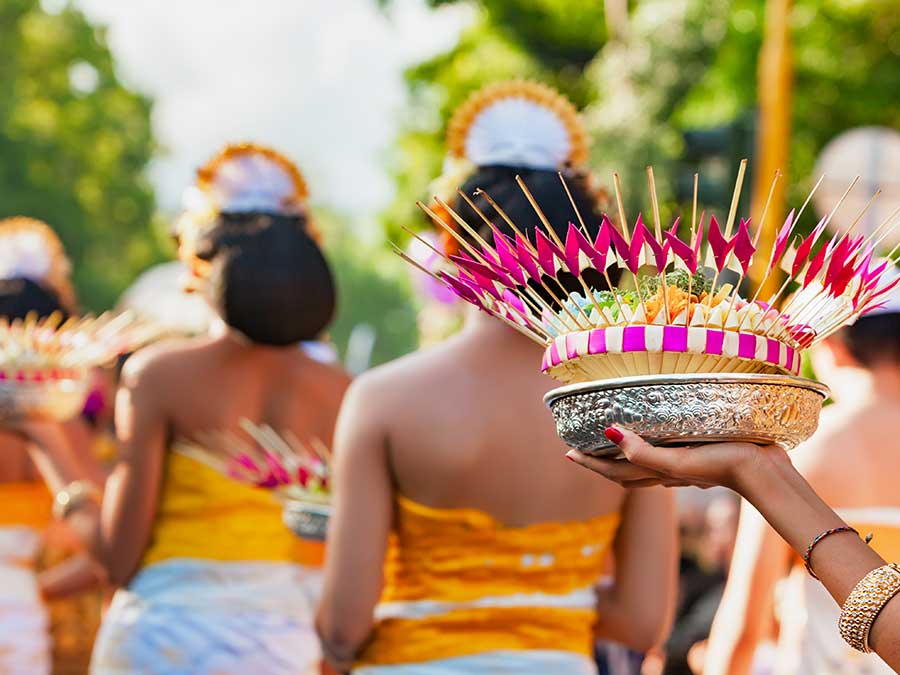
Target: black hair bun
[
  {"x": 499, "y": 182},
  {"x": 269, "y": 278},
  {"x": 21, "y": 297}
]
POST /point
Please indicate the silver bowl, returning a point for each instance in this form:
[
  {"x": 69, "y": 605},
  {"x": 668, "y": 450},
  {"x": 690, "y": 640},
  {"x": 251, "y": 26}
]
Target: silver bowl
[
  {"x": 307, "y": 521},
  {"x": 682, "y": 410},
  {"x": 56, "y": 400}
]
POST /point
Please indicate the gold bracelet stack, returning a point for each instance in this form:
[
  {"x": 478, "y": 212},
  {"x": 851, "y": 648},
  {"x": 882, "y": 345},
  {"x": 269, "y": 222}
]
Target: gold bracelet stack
[{"x": 865, "y": 602}]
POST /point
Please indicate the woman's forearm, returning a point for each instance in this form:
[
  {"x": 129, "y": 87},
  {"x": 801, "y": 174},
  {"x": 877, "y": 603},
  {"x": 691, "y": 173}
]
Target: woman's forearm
[
  {"x": 74, "y": 575},
  {"x": 840, "y": 561}
]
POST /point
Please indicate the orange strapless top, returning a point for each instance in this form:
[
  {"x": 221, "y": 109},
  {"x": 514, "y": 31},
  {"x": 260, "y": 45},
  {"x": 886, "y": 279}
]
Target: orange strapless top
[
  {"x": 26, "y": 503},
  {"x": 203, "y": 514},
  {"x": 881, "y": 521},
  {"x": 458, "y": 582}
]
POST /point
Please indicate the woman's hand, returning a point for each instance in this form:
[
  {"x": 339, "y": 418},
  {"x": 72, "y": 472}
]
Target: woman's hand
[{"x": 728, "y": 464}]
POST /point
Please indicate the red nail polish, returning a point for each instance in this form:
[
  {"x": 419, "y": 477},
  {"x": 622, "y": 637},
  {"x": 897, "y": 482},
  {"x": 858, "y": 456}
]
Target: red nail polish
[
  {"x": 614, "y": 435},
  {"x": 570, "y": 459}
]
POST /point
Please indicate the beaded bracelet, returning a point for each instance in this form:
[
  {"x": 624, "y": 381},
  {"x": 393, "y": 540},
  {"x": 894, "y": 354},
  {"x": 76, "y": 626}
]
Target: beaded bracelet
[
  {"x": 819, "y": 538},
  {"x": 864, "y": 604}
]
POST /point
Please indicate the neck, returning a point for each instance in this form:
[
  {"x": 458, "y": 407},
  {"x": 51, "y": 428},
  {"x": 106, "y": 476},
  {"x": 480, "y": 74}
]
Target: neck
[
  {"x": 881, "y": 383},
  {"x": 885, "y": 381},
  {"x": 488, "y": 329}
]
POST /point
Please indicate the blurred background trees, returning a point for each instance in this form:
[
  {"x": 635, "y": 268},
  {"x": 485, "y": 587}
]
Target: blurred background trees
[
  {"x": 667, "y": 82},
  {"x": 676, "y": 89},
  {"x": 74, "y": 146}
]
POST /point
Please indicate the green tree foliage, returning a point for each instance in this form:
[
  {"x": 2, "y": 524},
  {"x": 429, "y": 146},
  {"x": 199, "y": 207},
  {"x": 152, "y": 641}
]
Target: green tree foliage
[
  {"x": 546, "y": 40},
  {"x": 373, "y": 289},
  {"x": 641, "y": 81},
  {"x": 693, "y": 63},
  {"x": 558, "y": 33},
  {"x": 683, "y": 64},
  {"x": 74, "y": 144}
]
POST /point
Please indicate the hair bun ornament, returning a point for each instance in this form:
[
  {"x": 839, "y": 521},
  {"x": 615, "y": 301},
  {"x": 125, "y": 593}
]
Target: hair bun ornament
[
  {"x": 30, "y": 249},
  {"x": 519, "y": 124},
  {"x": 246, "y": 177},
  {"x": 241, "y": 178},
  {"x": 296, "y": 474},
  {"x": 673, "y": 315}
]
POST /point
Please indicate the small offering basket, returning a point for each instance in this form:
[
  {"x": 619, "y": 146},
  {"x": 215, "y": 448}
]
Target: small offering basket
[
  {"x": 54, "y": 400},
  {"x": 296, "y": 474},
  {"x": 45, "y": 366}
]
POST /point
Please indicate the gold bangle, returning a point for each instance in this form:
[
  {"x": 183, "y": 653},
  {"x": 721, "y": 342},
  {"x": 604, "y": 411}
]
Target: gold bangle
[
  {"x": 73, "y": 496},
  {"x": 864, "y": 604}
]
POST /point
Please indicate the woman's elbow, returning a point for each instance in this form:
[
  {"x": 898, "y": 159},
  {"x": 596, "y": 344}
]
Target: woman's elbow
[
  {"x": 342, "y": 640},
  {"x": 644, "y": 634},
  {"x": 118, "y": 572}
]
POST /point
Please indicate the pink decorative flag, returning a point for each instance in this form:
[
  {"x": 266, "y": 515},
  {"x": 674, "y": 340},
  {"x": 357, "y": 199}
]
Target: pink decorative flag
[
  {"x": 719, "y": 245},
  {"x": 782, "y": 239},
  {"x": 742, "y": 243}
]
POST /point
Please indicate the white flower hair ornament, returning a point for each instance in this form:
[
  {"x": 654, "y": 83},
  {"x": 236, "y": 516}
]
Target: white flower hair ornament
[{"x": 30, "y": 249}]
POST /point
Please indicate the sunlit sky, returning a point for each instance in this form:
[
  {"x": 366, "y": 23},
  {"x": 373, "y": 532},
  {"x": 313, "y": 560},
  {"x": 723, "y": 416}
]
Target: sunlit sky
[{"x": 319, "y": 79}]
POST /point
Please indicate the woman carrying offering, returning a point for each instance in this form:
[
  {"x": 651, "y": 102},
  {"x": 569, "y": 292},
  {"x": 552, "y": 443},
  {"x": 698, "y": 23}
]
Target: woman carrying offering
[{"x": 471, "y": 547}]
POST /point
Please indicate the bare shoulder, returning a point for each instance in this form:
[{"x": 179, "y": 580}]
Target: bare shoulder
[
  {"x": 160, "y": 359},
  {"x": 401, "y": 383},
  {"x": 825, "y": 460}
]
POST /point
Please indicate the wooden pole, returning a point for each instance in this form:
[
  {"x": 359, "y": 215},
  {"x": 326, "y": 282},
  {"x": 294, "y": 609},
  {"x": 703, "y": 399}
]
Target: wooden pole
[{"x": 775, "y": 83}]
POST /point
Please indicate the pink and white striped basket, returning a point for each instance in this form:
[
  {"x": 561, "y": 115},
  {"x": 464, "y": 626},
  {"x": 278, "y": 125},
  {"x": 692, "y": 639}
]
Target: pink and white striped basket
[{"x": 627, "y": 351}]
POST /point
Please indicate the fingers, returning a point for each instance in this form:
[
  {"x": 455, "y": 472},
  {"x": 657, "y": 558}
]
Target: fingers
[
  {"x": 617, "y": 470},
  {"x": 657, "y": 459}
]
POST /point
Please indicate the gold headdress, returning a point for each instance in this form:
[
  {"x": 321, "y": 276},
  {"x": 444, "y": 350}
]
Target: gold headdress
[
  {"x": 30, "y": 249},
  {"x": 516, "y": 123},
  {"x": 241, "y": 178}
]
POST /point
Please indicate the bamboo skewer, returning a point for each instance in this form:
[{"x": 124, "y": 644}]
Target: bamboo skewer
[
  {"x": 537, "y": 339},
  {"x": 654, "y": 204},
  {"x": 533, "y": 250},
  {"x": 759, "y": 229},
  {"x": 801, "y": 316},
  {"x": 550, "y": 231},
  {"x": 732, "y": 213},
  {"x": 584, "y": 230},
  {"x": 462, "y": 242},
  {"x": 480, "y": 257},
  {"x": 528, "y": 294},
  {"x": 624, "y": 223}
]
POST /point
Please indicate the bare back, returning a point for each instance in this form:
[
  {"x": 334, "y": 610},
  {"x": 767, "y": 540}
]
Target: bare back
[
  {"x": 466, "y": 426},
  {"x": 854, "y": 459},
  {"x": 210, "y": 385}
]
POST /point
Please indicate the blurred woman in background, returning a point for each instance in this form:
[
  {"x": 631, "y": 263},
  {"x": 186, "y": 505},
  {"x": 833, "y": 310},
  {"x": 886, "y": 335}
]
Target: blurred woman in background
[
  {"x": 35, "y": 284},
  {"x": 461, "y": 542},
  {"x": 213, "y": 580},
  {"x": 852, "y": 462}
]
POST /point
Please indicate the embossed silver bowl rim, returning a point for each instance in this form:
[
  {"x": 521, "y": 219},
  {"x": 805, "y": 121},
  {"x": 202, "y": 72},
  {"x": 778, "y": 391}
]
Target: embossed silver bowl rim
[
  {"x": 686, "y": 378},
  {"x": 307, "y": 520}
]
